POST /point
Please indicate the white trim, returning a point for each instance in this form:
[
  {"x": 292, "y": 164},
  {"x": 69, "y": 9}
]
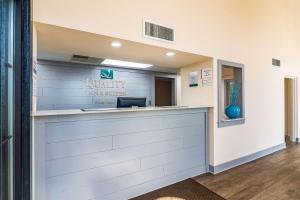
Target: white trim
[
  {"x": 245, "y": 159},
  {"x": 295, "y": 109},
  {"x": 174, "y": 86}
]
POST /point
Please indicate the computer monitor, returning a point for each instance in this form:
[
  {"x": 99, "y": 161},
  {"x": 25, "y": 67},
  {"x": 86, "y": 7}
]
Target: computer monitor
[{"x": 127, "y": 102}]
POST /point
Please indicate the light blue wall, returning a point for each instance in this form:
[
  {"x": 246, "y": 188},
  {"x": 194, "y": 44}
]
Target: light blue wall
[{"x": 64, "y": 86}]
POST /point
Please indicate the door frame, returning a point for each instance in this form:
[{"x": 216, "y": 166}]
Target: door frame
[
  {"x": 294, "y": 134},
  {"x": 174, "y": 86},
  {"x": 22, "y": 99}
]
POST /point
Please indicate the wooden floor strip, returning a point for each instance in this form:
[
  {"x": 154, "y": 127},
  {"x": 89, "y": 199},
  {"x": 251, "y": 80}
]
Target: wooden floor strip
[{"x": 274, "y": 177}]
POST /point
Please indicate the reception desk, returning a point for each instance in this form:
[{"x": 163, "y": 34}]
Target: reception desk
[{"x": 114, "y": 154}]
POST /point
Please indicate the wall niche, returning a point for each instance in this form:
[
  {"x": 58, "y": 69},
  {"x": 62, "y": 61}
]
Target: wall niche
[{"x": 231, "y": 105}]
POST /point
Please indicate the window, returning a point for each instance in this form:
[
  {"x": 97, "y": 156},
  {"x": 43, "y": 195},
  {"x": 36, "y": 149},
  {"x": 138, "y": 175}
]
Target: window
[
  {"x": 15, "y": 68},
  {"x": 6, "y": 99}
]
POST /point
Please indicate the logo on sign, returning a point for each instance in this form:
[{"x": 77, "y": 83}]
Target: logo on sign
[{"x": 106, "y": 74}]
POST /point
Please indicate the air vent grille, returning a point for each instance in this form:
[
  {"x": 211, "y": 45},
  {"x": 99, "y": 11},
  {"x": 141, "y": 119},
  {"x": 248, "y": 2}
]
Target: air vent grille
[
  {"x": 86, "y": 60},
  {"x": 276, "y": 62},
  {"x": 158, "y": 32}
]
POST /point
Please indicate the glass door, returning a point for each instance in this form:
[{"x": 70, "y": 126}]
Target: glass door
[{"x": 6, "y": 99}]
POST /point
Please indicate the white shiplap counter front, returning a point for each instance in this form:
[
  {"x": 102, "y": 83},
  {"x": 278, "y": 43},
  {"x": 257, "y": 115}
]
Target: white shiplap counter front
[{"x": 116, "y": 154}]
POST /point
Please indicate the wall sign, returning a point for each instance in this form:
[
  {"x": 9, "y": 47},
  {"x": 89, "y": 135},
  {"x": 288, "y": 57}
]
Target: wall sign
[
  {"x": 206, "y": 82},
  {"x": 193, "y": 79},
  {"x": 107, "y": 74},
  {"x": 108, "y": 88},
  {"x": 206, "y": 73}
]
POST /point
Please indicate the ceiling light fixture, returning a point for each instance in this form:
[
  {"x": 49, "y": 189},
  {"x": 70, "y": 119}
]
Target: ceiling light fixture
[
  {"x": 121, "y": 63},
  {"x": 116, "y": 44},
  {"x": 170, "y": 54}
]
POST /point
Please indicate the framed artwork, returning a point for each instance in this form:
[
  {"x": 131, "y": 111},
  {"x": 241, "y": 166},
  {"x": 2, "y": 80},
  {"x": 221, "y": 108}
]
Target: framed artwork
[{"x": 193, "y": 79}]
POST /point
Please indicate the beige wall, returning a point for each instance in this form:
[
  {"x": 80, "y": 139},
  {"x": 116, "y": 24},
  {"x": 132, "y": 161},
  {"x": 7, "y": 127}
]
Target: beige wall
[
  {"x": 251, "y": 32},
  {"x": 196, "y": 96},
  {"x": 199, "y": 96}
]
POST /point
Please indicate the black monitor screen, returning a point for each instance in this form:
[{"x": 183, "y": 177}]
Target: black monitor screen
[{"x": 127, "y": 102}]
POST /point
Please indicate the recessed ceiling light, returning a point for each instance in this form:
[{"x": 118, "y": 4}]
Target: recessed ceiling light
[
  {"x": 170, "y": 54},
  {"x": 121, "y": 63},
  {"x": 116, "y": 44}
]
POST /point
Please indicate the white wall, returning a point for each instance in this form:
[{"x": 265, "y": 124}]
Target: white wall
[{"x": 250, "y": 32}]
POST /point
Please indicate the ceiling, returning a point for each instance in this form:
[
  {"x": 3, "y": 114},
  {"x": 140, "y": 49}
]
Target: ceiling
[{"x": 58, "y": 43}]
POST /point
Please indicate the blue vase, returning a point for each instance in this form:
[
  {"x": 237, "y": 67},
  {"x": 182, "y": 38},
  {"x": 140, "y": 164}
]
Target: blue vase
[{"x": 233, "y": 111}]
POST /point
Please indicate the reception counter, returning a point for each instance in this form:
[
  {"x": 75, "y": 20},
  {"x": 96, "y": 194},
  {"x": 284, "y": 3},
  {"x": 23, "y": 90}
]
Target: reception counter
[{"x": 113, "y": 154}]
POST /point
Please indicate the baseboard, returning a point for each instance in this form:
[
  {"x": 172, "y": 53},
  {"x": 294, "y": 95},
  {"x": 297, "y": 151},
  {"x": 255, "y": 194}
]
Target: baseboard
[{"x": 234, "y": 163}]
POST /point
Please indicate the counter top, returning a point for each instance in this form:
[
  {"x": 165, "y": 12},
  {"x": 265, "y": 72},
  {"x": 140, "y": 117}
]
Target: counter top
[{"x": 110, "y": 110}]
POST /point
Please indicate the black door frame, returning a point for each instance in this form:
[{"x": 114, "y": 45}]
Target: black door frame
[{"x": 22, "y": 98}]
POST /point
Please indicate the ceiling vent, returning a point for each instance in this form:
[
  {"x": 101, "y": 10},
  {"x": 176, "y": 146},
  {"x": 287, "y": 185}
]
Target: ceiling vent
[
  {"x": 158, "y": 32},
  {"x": 276, "y": 62},
  {"x": 86, "y": 60}
]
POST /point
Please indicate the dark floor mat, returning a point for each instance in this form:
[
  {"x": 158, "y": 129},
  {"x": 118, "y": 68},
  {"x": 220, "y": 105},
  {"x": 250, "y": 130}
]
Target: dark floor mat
[{"x": 184, "y": 190}]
